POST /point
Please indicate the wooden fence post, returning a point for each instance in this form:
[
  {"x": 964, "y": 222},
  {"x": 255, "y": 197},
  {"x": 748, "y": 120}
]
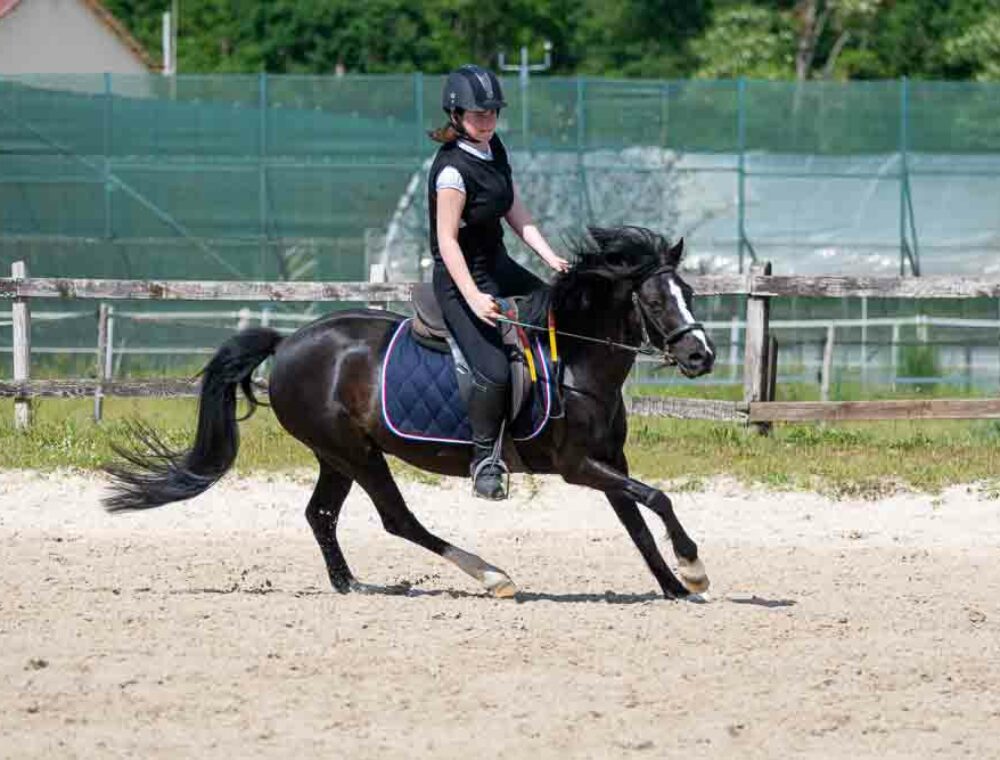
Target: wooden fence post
[
  {"x": 772, "y": 369},
  {"x": 377, "y": 273},
  {"x": 102, "y": 350},
  {"x": 755, "y": 360},
  {"x": 21, "y": 324},
  {"x": 243, "y": 319},
  {"x": 734, "y": 346},
  {"x": 894, "y": 355},
  {"x": 105, "y": 355}
]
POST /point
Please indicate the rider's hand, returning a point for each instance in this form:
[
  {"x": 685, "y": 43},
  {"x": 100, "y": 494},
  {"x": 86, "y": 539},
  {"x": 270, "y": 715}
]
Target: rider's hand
[
  {"x": 558, "y": 263},
  {"x": 484, "y": 307}
]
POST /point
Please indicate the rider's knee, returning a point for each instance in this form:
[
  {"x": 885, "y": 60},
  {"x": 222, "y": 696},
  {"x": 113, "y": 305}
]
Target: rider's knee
[{"x": 492, "y": 374}]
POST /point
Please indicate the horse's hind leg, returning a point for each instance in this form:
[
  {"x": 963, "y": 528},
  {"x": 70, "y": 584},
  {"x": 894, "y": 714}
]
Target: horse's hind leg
[
  {"x": 323, "y": 513},
  {"x": 398, "y": 520}
]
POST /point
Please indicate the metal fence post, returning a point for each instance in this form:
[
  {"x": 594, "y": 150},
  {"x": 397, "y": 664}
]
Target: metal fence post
[
  {"x": 21, "y": 324},
  {"x": 586, "y": 209},
  {"x": 894, "y": 357},
  {"x": 824, "y": 390},
  {"x": 109, "y": 225},
  {"x": 418, "y": 107},
  {"x": 864, "y": 342},
  {"x": 907, "y": 252},
  {"x": 741, "y": 87},
  {"x": 262, "y": 166}
]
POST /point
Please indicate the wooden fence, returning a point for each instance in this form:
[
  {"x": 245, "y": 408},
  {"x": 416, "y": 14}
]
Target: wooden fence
[{"x": 758, "y": 407}]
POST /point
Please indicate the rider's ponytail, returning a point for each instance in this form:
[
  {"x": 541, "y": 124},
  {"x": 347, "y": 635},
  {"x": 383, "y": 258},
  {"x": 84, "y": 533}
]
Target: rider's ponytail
[
  {"x": 450, "y": 131},
  {"x": 445, "y": 134}
]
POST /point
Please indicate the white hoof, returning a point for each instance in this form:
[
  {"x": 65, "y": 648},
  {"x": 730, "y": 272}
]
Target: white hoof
[
  {"x": 693, "y": 575},
  {"x": 499, "y": 584}
]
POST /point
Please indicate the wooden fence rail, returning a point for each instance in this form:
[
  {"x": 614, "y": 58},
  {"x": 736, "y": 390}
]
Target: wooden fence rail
[
  {"x": 758, "y": 407},
  {"x": 754, "y": 284}
]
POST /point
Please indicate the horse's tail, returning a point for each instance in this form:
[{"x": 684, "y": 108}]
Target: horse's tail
[{"x": 156, "y": 475}]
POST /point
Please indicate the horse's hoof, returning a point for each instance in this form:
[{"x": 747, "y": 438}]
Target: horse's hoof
[
  {"x": 499, "y": 585},
  {"x": 344, "y": 585},
  {"x": 693, "y": 575}
]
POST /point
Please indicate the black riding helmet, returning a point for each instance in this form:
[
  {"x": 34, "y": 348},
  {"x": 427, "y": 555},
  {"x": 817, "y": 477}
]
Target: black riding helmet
[{"x": 472, "y": 88}]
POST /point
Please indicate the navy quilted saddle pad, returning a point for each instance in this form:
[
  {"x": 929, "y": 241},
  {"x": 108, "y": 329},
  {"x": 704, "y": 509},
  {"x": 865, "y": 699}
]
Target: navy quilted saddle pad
[{"x": 420, "y": 398}]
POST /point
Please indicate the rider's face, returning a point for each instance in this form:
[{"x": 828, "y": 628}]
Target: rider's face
[{"x": 480, "y": 125}]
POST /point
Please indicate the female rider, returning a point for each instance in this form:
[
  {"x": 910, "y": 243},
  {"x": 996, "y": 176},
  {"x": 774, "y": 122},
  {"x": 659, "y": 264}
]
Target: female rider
[{"x": 470, "y": 190}]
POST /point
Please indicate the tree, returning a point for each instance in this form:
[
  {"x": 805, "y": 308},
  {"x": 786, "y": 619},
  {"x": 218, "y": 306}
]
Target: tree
[
  {"x": 837, "y": 19},
  {"x": 944, "y": 39},
  {"x": 977, "y": 49},
  {"x": 746, "y": 40},
  {"x": 640, "y": 38}
]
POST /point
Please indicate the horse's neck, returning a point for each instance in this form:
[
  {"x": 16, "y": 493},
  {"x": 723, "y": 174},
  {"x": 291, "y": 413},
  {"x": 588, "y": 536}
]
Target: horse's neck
[{"x": 600, "y": 370}]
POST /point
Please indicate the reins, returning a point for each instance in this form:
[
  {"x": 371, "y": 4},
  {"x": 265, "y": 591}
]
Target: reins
[
  {"x": 642, "y": 309},
  {"x": 650, "y": 349}
]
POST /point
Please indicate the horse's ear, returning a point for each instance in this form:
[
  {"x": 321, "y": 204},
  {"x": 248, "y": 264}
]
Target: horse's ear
[{"x": 675, "y": 254}]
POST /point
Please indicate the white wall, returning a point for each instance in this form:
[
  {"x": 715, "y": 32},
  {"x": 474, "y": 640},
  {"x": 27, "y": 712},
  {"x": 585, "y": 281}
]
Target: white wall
[{"x": 61, "y": 37}]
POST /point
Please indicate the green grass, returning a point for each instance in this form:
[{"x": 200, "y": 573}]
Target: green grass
[
  {"x": 846, "y": 390},
  {"x": 858, "y": 459}
]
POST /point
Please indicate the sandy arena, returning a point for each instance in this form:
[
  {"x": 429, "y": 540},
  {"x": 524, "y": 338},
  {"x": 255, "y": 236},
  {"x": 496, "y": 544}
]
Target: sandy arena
[{"x": 207, "y": 629}]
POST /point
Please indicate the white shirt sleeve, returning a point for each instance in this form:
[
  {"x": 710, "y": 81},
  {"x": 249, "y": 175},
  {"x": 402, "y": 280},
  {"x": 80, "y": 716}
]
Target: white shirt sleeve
[{"x": 449, "y": 178}]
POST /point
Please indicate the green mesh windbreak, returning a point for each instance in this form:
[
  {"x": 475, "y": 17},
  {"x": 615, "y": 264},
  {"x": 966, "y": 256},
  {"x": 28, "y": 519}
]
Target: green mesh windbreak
[
  {"x": 306, "y": 177},
  {"x": 220, "y": 176}
]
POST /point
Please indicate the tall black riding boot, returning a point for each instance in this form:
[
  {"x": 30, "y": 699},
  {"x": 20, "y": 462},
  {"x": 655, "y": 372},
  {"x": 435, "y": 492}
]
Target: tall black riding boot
[{"x": 487, "y": 404}]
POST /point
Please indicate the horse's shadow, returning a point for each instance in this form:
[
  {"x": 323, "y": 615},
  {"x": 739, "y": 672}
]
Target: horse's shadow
[
  {"x": 525, "y": 597},
  {"x": 411, "y": 591}
]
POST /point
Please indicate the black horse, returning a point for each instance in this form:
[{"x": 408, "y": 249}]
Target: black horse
[{"x": 324, "y": 389}]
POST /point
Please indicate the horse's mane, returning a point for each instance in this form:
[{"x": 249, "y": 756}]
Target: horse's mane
[{"x": 604, "y": 257}]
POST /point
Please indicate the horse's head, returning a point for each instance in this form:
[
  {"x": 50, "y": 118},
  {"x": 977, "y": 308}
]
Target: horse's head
[
  {"x": 663, "y": 302},
  {"x": 639, "y": 268},
  {"x": 626, "y": 277}
]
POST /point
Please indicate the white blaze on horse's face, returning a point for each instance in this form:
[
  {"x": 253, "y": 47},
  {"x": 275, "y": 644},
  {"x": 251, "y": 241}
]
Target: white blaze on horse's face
[{"x": 686, "y": 316}]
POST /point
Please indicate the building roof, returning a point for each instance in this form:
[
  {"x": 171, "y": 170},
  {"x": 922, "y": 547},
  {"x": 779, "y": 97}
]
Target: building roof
[{"x": 107, "y": 18}]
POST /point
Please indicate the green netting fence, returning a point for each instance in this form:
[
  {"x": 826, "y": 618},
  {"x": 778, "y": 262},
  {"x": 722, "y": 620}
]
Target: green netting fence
[{"x": 300, "y": 177}]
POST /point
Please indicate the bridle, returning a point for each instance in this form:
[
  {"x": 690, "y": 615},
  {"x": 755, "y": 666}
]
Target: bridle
[{"x": 646, "y": 347}]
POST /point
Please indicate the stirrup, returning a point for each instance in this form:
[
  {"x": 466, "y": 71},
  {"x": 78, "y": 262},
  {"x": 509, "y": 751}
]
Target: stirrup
[
  {"x": 493, "y": 459},
  {"x": 504, "y": 476}
]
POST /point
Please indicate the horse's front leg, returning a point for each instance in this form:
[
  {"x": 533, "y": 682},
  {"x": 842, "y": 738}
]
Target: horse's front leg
[
  {"x": 623, "y": 491},
  {"x": 629, "y": 515}
]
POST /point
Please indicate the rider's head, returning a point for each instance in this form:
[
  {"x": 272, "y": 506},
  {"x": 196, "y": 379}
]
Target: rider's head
[{"x": 472, "y": 98}]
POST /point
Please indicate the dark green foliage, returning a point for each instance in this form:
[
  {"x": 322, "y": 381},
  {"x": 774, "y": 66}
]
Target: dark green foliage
[{"x": 931, "y": 39}]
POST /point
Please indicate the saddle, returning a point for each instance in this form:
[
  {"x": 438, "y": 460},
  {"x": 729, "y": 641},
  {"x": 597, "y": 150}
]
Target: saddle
[{"x": 430, "y": 331}]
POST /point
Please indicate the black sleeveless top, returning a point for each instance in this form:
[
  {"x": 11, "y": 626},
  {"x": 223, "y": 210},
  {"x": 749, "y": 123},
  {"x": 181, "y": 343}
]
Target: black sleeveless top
[{"x": 489, "y": 194}]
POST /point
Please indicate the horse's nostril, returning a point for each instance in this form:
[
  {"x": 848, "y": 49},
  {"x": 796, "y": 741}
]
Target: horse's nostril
[{"x": 697, "y": 357}]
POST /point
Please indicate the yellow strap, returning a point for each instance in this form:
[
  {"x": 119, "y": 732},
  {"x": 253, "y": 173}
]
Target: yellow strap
[
  {"x": 531, "y": 363},
  {"x": 553, "y": 352}
]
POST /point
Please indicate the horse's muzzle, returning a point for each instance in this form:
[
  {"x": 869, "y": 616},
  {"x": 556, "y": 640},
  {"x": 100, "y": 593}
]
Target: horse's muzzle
[{"x": 693, "y": 357}]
